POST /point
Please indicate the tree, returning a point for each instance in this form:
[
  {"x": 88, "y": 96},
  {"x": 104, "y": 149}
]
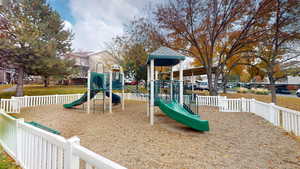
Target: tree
[
  {"x": 211, "y": 31},
  {"x": 57, "y": 42},
  {"x": 131, "y": 49},
  {"x": 131, "y": 56},
  {"x": 32, "y": 32},
  {"x": 54, "y": 67},
  {"x": 280, "y": 41}
]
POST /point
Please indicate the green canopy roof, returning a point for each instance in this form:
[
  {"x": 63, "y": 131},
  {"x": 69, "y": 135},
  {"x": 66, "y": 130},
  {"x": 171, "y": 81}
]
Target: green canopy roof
[{"x": 164, "y": 56}]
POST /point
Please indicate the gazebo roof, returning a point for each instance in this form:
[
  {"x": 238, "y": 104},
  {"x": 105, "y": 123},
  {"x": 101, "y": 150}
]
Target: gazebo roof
[{"x": 164, "y": 56}]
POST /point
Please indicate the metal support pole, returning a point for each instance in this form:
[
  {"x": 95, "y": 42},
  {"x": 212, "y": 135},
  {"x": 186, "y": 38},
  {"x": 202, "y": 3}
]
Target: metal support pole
[
  {"x": 180, "y": 83},
  {"x": 152, "y": 92},
  {"x": 148, "y": 86},
  {"x": 104, "y": 93},
  {"x": 171, "y": 85},
  {"x": 110, "y": 91},
  {"x": 123, "y": 86},
  {"x": 156, "y": 75},
  {"x": 89, "y": 92},
  {"x": 193, "y": 81}
]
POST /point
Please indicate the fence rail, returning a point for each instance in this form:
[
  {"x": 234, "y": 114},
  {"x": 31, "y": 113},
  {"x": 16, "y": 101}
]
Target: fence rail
[
  {"x": 15, "y": 104},
  {"x": 34, "y": 148},
  {"x": 279, "y": 116},
  {"x": 209, "y": 100}
]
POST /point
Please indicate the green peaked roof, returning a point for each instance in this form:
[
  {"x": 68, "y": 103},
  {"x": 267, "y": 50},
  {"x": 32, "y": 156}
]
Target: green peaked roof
[{"x": 164, "y": 56}]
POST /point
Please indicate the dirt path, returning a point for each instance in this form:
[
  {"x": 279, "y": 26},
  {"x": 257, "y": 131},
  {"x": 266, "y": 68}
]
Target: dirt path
[
  {"x": 11, "y": 89},
  {"x": 236, "y": 140}
]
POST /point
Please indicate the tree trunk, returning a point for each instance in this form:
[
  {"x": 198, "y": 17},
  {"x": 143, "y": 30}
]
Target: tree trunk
[
  {"x": 46, "y": 81},
  {"x": 210, "y": 82},
  {"x": 215, "y": 84},
  {"x": 273, "y": 90},
  {"x": 137, "y": 86},
  {"x": 224, "y": 86},
  {"x": 224, "y": 82},
  {"x": 20, "y": 91}
]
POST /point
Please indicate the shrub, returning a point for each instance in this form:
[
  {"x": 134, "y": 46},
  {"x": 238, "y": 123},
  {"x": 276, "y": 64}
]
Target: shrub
[
  {"x": 261, "y": 91},
  {"x": 242, "y": 90}
]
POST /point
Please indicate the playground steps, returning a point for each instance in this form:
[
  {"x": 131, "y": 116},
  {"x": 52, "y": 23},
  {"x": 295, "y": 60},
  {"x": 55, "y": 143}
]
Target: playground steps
[{"x": 187, "y": 108}]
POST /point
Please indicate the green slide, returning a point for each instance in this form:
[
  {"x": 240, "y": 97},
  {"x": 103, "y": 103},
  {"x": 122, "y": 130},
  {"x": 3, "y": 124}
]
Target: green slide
[
  {"x": 97, "y": 83},
  {"x": 181, "y": 115}
]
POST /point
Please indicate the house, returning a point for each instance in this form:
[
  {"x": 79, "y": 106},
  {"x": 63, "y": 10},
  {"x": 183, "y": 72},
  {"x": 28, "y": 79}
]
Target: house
[
  {"x": 81, "y": 62},
  {"x": 6, "y": 75},
  {"x": 101, "y": 61},
  {"x": 93, "y": 61}
]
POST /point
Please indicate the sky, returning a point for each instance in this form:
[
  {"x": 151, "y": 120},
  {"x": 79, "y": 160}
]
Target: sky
[{"x": 95, "y": 22}]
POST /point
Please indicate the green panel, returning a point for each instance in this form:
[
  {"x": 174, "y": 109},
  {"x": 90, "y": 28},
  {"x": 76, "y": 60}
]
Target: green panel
[
  {"x": 181, "y": 115},
  {"x": 35, "y": 124},
  {"x": 98, "y": 83},
  {"x": 150, "y": 57}
]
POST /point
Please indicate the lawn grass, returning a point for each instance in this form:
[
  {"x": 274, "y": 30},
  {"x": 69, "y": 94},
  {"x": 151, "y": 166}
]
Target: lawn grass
[
  {"x": 288, "y": 102},
  {"x": 38, "y": 90},
  {"x": 7, "y": 162},
  {"x": 132, "y": 88}
]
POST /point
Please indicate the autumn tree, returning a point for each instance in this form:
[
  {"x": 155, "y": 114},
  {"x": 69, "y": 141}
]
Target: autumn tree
[
  {"x": 280, "y": 43},
  {"x": 132, "y": 48},
  {"x": 211, "y": 31}
]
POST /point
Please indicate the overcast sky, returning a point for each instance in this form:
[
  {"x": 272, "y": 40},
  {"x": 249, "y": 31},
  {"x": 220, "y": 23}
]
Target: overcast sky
[{"x": 95, "y": 22}]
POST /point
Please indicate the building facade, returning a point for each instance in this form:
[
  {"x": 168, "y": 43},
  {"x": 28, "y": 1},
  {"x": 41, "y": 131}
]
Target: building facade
[{"x": 85, "y": 61}]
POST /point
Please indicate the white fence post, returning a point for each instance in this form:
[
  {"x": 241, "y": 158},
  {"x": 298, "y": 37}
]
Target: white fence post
[
  {"x": 19, "y": 141},
  {"x": 252, "y": 106},
  {"x": 70, "y": 161},
  {"x": 56, "y": 99},
  {"x": 243, "y": 105},
  {"x": 25, "y": 101},
  {"x": 272, "y": 113}
]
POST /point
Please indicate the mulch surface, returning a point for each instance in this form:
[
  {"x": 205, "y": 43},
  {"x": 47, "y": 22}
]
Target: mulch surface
[{"x": 236, "y": 140}]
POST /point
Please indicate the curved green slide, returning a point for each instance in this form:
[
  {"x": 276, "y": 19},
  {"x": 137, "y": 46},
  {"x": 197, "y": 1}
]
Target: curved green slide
[
  {"x": 177, "y": 112},
  {"x": 97, "y": 83}
]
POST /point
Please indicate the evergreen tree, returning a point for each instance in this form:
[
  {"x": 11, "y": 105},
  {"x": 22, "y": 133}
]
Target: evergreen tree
[{"x": 33, "y": 37}]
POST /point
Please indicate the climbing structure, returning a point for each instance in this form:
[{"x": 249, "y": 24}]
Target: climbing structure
[
  {"x": 168, "y": 94},
  {"x": 102, "y": 82}
]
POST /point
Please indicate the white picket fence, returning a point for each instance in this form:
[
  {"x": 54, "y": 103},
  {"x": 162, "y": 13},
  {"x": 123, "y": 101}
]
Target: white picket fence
[
  {"x": 10, "y": 105},
  {"x": 33, "y": 148},
  {"x": 135, "y": 96},
  {"x": 279, "y": 116},
  {"x": 209, "y": 100},
  {"x": 15, "y": 104}
]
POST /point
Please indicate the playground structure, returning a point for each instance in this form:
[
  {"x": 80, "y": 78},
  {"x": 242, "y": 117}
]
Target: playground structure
[
  {"x": 102, "y": 82},
  {"x": 244, "y": 125},
  {"x": 171, "y": 102}
]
